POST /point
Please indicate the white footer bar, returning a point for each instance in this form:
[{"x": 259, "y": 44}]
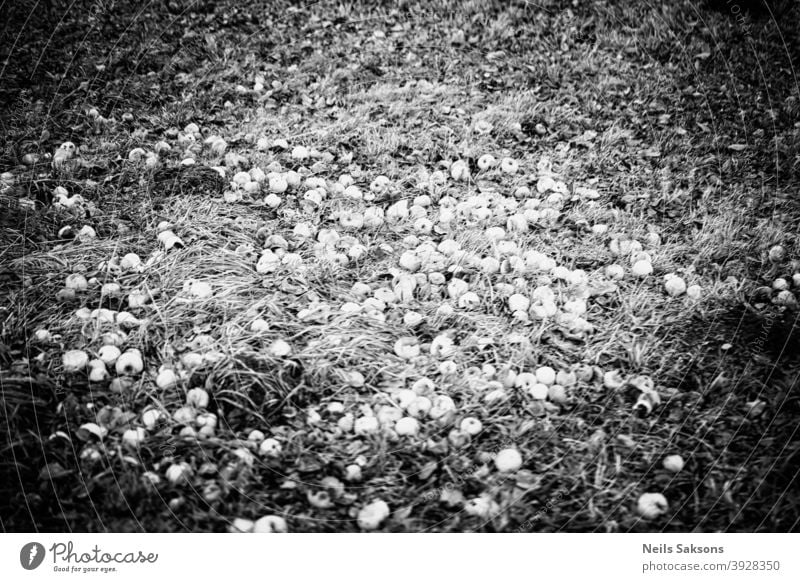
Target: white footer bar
[{"x": 399, "y": 557}]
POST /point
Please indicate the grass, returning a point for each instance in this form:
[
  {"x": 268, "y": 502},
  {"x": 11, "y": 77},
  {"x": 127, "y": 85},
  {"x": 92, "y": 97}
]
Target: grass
[{"x": 682, "y": 117}]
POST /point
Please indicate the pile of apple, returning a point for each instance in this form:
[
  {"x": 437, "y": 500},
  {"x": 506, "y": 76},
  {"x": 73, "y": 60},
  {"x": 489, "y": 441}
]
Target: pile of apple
[{"x": 462, "y": 241}]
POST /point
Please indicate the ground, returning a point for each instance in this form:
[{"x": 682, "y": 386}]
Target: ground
[{"x": 671, "y": 130}]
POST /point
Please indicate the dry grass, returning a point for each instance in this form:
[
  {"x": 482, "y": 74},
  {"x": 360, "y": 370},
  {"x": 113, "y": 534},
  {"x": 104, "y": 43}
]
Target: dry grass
[{"x": 729, "y": 411}]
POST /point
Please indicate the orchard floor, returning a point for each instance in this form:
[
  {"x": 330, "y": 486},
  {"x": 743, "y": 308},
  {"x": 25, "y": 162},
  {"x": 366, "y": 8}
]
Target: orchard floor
[{"x": 676, "y": 126}]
